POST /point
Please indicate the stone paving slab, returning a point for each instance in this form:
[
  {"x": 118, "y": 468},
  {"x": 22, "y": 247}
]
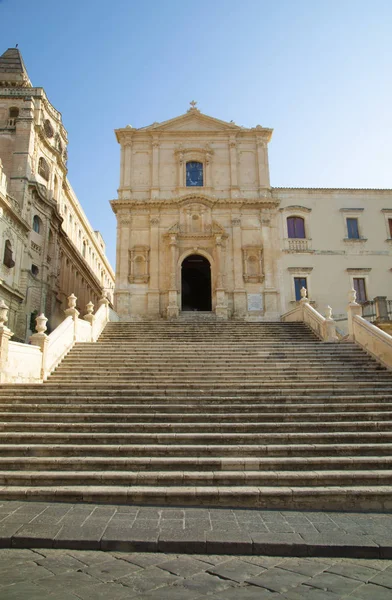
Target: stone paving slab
[
  {"x": 195, "y": 531},
  {"x": 50, "y": 574}
]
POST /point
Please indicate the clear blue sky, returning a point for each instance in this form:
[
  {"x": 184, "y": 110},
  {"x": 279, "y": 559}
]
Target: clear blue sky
[{"x": 317, "y": 71}]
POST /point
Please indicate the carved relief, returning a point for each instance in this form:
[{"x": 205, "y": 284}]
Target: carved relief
[
  {"x": 253, "y": 264},
  {"x": 139, "y": 264}
]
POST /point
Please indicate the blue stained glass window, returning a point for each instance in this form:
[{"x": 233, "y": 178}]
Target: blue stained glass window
[{"x": 194, "y": 174}]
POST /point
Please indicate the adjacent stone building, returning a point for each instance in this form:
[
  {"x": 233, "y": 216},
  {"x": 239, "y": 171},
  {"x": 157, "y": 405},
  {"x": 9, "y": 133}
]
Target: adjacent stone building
[
  {"x": 48, "y": 249},
  {"x": 201, "y": 229}
]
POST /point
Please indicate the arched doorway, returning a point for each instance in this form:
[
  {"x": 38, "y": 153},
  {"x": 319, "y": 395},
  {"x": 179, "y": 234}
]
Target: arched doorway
[{"x": 195, "y": 283}]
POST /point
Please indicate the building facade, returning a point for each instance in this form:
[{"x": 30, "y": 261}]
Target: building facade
[
  {"x": 48, "y": 248},
  {"x": 201, "y": 229}
]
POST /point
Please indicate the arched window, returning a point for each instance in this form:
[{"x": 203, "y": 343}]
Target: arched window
[
  {"x": 296, "y": 227},
  {"x": 37, "y": 224},
  {"x": 43, "y": 168},
  {"x": 194, "y": 174},
  {"x": 7, "y": 259}
]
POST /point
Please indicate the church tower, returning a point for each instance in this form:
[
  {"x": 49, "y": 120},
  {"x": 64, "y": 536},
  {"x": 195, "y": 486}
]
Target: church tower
[{"x": 48, "y": 249}]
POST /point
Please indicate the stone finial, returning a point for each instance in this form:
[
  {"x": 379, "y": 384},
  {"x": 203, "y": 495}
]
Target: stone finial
[
  {"x": 90, "y": 308},
  {"x": 303, "y": 292},
  {"x": 89, "y": 317},
  {"x": 72, "y": 311},
  {"x": 72, "y": 301},
  {"x": 328, "y": 313},
  {"x": 352, "y": 296},
  {"x": 3, "y": 313},
  {"x": 41, "y": 321}
]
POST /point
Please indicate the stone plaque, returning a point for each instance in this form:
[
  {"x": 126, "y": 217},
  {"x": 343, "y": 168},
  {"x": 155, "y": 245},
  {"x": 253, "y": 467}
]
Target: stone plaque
[{"x": 255, "y": 302}]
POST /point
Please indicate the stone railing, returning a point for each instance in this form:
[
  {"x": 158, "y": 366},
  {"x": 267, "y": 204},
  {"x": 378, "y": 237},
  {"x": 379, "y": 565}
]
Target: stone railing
[
  {"x": 323, "y": 327},
  {"x": 23, "y": 363},
  {"x": 374, "y": 340},
  {"x": 297, "y": 244}
]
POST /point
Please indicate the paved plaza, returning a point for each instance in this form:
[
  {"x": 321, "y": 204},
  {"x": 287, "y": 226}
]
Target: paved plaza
[{"x": 48, "y": 574}]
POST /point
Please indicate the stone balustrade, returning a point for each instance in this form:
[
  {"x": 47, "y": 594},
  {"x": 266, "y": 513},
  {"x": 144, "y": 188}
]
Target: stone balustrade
[
  {"x": 323, "y": 327},
  {"x": 23, "y": 363},
  {"x": 372, "y": 339}
]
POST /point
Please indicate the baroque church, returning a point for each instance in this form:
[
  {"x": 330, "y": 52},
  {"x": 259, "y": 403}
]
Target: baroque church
[{"x": 201, "y": 229}]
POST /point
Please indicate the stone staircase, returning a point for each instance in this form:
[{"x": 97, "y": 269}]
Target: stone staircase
[{"x": 203, "y": 413}]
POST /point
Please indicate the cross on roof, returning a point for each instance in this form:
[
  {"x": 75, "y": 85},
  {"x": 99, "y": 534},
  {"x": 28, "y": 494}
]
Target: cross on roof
[{"x": 193, "y": 103}]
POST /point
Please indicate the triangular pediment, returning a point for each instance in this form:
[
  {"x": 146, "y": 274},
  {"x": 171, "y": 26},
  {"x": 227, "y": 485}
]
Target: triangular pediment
[{"x": 193, "y": 120}]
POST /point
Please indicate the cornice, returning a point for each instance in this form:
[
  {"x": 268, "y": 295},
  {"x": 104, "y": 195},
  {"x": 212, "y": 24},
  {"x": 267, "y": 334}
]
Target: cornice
[
  {"x": 277, "y": 190},
  {"x": 118, "y": 204}
]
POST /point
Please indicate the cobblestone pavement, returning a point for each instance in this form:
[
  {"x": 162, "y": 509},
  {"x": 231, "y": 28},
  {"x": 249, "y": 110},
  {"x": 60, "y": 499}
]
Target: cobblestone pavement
[
  {"x": 48, "y": 574},
  {"x": 195, "y": 530}
]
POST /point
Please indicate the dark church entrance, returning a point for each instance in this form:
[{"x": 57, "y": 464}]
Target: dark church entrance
[{"x": 196, "y": 283}]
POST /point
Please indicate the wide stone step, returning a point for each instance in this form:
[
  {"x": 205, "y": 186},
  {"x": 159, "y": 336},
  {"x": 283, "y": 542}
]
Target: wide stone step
[
  {"x": 195, "y": 450},
  {"x": 87, "y": 414},
  {"x": 197, "y": 478},
  {"x": 202, "y": 439},
  {"x": 198, "y": 428},
  {"x": 315, "y": 498},
  {"x": 178, "y": 463}
]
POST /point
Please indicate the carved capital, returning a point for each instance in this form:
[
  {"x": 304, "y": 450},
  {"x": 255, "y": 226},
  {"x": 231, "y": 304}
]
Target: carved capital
[
  {"x": 236, "y": 222},
  {"x": 154, "y": 221}
]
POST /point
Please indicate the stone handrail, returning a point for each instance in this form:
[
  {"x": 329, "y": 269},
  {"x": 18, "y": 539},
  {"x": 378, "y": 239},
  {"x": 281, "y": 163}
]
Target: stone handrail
[
  {"x": 100, "y": 320},
  {"x": 22, "y": 363},
  {"x": 323, "y": 327},
  {"x": 60, "y": 341},
  {"x": 374, "y": 340}
]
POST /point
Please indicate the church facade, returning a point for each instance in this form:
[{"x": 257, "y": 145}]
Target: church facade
[{"x": 199, "y": 228}]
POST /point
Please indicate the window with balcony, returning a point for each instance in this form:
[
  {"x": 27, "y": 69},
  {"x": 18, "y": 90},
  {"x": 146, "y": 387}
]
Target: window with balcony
[{"x": 296, "y": 227}]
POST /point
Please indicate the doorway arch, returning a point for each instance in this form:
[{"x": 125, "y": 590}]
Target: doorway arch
[{"x": 196, "y": 292}]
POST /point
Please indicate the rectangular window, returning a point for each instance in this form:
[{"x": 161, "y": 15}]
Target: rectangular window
[
  {"x": 360, "y": 288},
  {"x": 390, "y": 228},
  {"x": 299, "y": 283},
  {"x": 352, "y": 229}
]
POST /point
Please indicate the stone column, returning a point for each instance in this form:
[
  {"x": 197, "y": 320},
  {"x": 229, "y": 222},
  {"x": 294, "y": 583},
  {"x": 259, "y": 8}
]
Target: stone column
[
  {"x": 239, "y": 294},
  {"x": 262, "y": 163},
  {"x": 153, "y": 290},
  {"x": 122, "y": 292},
  {"x": 221, "y": 306},
  {"x": 155, "y": 168},
  {"x": 381, "y": 309},
  {"x": 208, "y": 177},
  {"x": 172, "y": 309},
  {"x": 127, "y": 170},
  {"x": 233, "y": 165},
  {"x": 181, "y": 159},
  {"x": 269, "y": 266}
]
